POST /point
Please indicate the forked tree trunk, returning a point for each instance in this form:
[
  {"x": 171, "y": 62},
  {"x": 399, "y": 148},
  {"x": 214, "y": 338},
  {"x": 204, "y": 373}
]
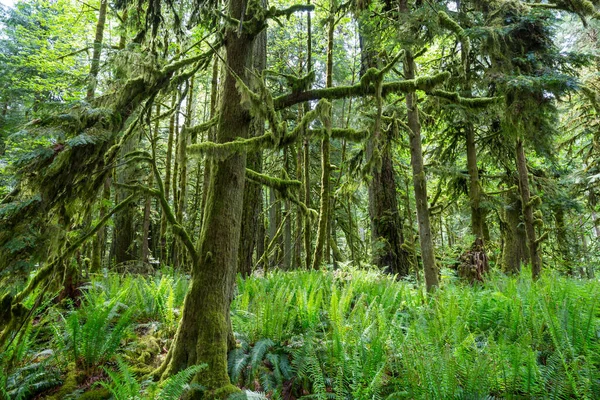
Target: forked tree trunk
[
  {"x": 528, "y": 206},
  {"x": 202, "y": 335},
  {"x": 419, "y": 181}
]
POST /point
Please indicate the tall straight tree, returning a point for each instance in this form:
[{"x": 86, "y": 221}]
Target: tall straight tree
[{"x": 386, "y": 222}]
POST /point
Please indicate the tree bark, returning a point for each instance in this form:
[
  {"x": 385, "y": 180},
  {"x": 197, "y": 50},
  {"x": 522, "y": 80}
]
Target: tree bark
[
  {"x": 419, "y": 181},
  {"x": 164, "y": 253},
  {"x": 202, "y": 336},
  {"x": 124, "y": 220},
  {"x": 98, "y": 39},
  {"x": 253, "y": 193},
  {"x": 528, "y": 206},
  {"x": 474, "y": 187},
  {"x": 99, "y": 242},
  {"x": 324, "y": 209},
  {"x": 514, "y": 249}
]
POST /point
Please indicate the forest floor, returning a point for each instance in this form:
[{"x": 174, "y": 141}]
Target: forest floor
[{"x": 346, "y": 334}]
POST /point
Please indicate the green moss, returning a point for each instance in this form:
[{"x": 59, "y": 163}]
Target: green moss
[
  {"x": 224, "y": 392},
  {"x": 95, "y": 394},
  {"x": 70, "y": 384},
  {"x": 469, "y": 102}
]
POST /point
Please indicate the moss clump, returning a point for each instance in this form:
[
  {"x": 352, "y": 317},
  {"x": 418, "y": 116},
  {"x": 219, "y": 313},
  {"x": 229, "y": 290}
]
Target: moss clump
[
  {"x": 96, "y": 394},
  {"x": 224, "y": 392},
  {"x": 70, "y": 384}
]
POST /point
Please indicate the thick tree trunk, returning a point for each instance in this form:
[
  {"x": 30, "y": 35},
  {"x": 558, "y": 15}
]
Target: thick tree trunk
[
  {"x": 514, "y": 249},
  {"x": 419, "y": 181},
  {"x": 306, "y": 147},
  {"x": 528, "y": 206},
  {"x": 252, "y": 192},
  {"x": 214, "y": 98},
  {"x": 386, "y": 222},
  {"x": 202, "y": 336}
]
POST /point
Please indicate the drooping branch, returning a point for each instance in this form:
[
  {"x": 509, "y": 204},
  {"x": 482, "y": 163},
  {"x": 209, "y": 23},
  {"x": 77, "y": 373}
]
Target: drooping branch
[
  {"x": 45, "y": 271},
  {"x": 286, "y": 187}
]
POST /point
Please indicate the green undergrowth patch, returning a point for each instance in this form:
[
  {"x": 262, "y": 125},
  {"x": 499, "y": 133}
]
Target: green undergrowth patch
[
  {"x": 345, "y": 334},
  {"x": 361, "y": 335}
]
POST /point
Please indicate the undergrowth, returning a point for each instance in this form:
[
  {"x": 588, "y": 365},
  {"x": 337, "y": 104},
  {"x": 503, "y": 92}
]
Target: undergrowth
[{"x": 347, "y": 334}]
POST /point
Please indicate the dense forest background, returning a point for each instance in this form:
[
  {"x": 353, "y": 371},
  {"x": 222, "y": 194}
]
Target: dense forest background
[{"x": 361, "y": 199}]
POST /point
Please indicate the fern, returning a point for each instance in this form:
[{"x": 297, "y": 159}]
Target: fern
[{"x": 124, "y": 386}]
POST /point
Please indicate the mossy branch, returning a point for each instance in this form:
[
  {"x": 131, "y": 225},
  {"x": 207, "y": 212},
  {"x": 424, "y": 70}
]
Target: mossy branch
[
  {"x": 543, "y": 237},
  {"x": 469, "y": 102},
  {"x": 425, "y": 83},
  {"x": 349, "y": 134},
  {"x": 221, "y": 151},
  {"x": 283, "y": 186},
  {"x": 197, "y": 129},
  {"x": 45, "y": 271}
]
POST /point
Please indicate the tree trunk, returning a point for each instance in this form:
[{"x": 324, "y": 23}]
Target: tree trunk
[
  {"x": 474, "y": 187},
  {"x": 323, "y": 224},
  {"x": 386, "y": 222},
  {"x": 124, "y": 220},
  {"x": 98, "y": 39},
  {"x": 252, "y": 192},
  {"x": 419, "y": 181},
  {"x": 514, "y": 250},
  {"x": 164, "y": 254},
  {"x": 202, "y": 336},
  {"x": 99, "y": 242},
  {"x": 528, "y": 206}
]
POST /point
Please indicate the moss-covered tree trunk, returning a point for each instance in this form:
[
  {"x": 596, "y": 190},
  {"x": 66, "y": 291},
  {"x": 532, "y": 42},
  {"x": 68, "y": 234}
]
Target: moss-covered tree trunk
[
  {"x": 124, "y": 242},
  {"x": 306, "y": 153},
  {"x": 474, "y": 186},
  {"x": 99, "y": 242},
  {"x": 562, "y": 239},
  {"x": 514, "y": 238},
  {"x": 386, "y": 222},
  {"x": 528, "y": 205},
  {"x": 419, "y": 181},
  {"x": 324, "y": 208},
  {"x": 202, "y": 335},
  {"x": 164, "y": 251},
  {"x": 252, "y": 192}
]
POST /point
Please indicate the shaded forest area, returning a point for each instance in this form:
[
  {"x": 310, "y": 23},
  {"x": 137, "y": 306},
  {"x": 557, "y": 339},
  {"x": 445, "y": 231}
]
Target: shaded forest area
[{"x": 209, "y": 199}]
